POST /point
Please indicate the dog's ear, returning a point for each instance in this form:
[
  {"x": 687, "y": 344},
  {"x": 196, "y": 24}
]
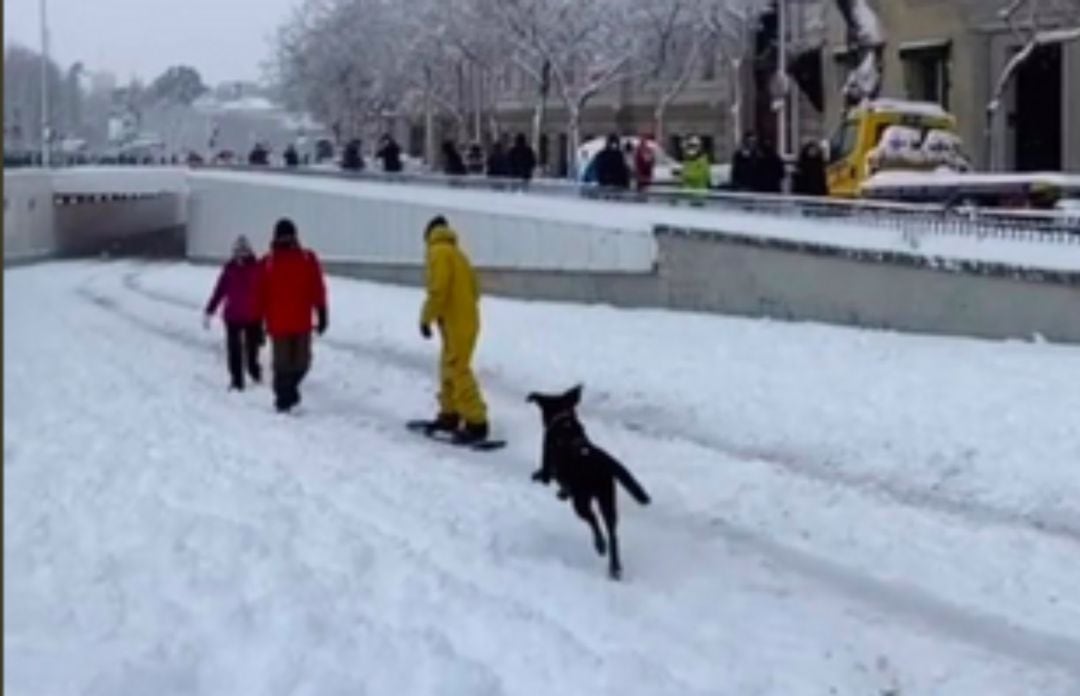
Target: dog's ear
[
  {"x": 532, "y": 398},
  {"x": 575, "y": 394}
]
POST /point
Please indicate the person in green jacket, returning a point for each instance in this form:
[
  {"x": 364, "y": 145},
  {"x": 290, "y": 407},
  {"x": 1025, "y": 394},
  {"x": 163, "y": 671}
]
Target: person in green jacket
[{"x": 695, "y": 169}]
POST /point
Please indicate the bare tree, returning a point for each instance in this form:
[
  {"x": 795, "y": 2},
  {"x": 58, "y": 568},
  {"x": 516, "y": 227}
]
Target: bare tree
[
  {"x": 1033, "y": 23},
  {"x": 674, "y": 43},
  {"x": 587, "y": 46},
  {"x": 731, "y": 25}
]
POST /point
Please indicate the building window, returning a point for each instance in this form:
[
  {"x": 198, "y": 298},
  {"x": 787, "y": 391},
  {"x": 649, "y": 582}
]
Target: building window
[
  {"x": 675, "y": 147},
  {"x": 926, "y": 71},
  {"x": 708, "y": 60}
]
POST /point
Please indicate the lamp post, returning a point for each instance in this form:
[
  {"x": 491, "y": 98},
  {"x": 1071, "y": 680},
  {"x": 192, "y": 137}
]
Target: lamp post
[
  {"x": 44, "y": 86},
  {"x": 781, "y": 78}
]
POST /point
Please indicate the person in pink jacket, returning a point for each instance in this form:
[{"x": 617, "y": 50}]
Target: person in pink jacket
[{"x": 238, "y": 288}]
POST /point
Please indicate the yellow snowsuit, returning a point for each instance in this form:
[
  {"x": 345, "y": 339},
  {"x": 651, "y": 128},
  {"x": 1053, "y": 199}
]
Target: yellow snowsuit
[{"x": 453, "y": 298}]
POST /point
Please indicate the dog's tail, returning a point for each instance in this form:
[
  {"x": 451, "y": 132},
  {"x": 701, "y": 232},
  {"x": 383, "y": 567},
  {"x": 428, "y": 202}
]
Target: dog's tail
[{"x": 629, "y": 483}]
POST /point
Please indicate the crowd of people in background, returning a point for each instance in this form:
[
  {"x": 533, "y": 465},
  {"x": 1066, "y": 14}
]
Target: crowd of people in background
[{"x": 622, "y": 164}]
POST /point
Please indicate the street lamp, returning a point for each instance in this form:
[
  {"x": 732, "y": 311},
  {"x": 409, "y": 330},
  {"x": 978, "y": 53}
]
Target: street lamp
[
  {"x": 781, "y": 77},
  {"x": 44, "y": 86}
]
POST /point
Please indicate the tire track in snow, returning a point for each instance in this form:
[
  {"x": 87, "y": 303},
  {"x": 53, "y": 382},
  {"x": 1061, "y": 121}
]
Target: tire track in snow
[
  {"x": 909, "y": 603},
  {"x": 631, "y": 419}
]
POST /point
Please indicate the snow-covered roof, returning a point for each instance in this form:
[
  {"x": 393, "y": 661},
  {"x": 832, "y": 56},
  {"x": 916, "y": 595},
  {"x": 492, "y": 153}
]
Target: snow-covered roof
[
  {"x": 249, "y": 104},
  {"x": 889, "y": 179},
  {"x": 924, "y": 44},
  {"x": 906, "y": 106}
]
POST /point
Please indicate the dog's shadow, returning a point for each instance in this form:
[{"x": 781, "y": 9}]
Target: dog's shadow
[{"x": 546, "y": 546}]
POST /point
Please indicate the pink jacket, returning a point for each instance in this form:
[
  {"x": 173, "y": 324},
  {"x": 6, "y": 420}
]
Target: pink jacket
[{"x": 238, "y": 287}]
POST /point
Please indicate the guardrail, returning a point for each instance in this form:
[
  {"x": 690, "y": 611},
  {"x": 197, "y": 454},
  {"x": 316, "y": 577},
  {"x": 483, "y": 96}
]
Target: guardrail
[{"x": 1043, "y": 226}]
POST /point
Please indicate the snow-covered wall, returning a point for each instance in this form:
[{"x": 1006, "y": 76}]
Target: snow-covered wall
[
  {"x": 847, "y": 270},
  {"x": 119, "y": 180},
  {"x": 28, "y": 215},
  {"x": 377, "y": 223},
  {"x": 88, "y": 209}
]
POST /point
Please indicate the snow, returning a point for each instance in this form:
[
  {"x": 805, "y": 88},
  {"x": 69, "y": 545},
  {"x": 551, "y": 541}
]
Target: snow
[
  {"x": 836, "y": 511},
  {"x": 912, "y": 178},
  {"x": 869, "y": 26},
  {"x": 919, "y": 108}
]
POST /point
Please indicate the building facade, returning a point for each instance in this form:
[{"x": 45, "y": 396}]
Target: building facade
[
  {"x": 953, "y": 52},
  {"x": 947, "y": 51}
]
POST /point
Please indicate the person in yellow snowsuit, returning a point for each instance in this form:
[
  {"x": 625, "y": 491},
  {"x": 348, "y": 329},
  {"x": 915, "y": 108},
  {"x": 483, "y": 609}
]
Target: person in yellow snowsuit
[
  {"x": 453, "y": 304},
  {"x": 695, "y": 169}
]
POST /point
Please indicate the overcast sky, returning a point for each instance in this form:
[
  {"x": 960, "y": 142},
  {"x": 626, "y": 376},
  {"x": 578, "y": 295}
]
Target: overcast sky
[{"x": 222, "y": 39}]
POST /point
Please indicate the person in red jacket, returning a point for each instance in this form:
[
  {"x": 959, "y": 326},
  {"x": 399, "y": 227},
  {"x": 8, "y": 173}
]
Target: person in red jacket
[
  {"x": 644, "y": 162},
  {"x": 291, "y": 293},
  {"x": 237, "y": 286}
]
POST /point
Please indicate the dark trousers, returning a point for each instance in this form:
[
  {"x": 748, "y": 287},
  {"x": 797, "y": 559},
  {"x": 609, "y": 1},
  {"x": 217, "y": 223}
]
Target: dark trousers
[
  {"x": 292, "y": 359},
  {"x": 243, "y": 342}
]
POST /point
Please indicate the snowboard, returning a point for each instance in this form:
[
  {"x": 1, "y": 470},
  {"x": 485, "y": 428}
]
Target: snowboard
[{"x": 421, "y": 427}]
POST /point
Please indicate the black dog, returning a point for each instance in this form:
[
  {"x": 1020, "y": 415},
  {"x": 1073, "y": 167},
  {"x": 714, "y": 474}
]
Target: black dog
[{"x": 583, "y": 471}]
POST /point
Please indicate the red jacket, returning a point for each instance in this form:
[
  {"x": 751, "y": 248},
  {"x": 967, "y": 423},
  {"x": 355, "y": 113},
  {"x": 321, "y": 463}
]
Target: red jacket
[
  {"x": 644, "y": 162},
  {"x": 291, "y": 291}
]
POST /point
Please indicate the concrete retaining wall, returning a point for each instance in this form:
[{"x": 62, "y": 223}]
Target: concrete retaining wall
[
  {"x": 87, "y": 211},
  {"x": 365, "y": 222},
  {"x": 725, "y": 274},
  {"x": 28, "y": 216}
]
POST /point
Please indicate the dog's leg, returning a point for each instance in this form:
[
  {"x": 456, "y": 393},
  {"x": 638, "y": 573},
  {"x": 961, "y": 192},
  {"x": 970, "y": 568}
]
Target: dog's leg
[
  {"x": 611, "y": 519},
  {"x": 584, "y": 510}
]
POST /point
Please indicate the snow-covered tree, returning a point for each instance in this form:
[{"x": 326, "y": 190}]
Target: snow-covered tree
[
  {"x": 586, "y": 46},
  {"x": 866, "y": 41},
  {"x": 180, "y": 84},
  {"x": 674, "y": 41},
  {"x": 339, "y": 59}
]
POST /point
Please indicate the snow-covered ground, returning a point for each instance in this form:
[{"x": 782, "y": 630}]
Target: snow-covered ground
[{"x": 835, "y": 511}]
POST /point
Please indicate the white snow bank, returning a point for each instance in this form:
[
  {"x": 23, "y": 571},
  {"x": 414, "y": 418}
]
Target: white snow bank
[{"x": 164, "y": 536}]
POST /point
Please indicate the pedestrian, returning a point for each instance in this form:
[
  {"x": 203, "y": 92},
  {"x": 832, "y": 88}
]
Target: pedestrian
[
  {"x": 291, "y": 292},
  {"x": 237, "y": 288},
  {"x": 390, "y": 154},
  {"x": 810, "y": 175},
  {"x": 521, "y": 160},
  {"x": 498, "y": 165},
  {"x": 696, "y": 175},
  {"x": 771, "y": 171},
  {"x": 453, "y": 305},
  {"x": 628, "y": 151},
  {"x": 292, "y": 158},
  {"x": 746, "y": 164},
  {"x": 352, "y": 159},
  {"x": 452, "y": 162},
  {"x": 474, "y": 159},
  {"x": 611, "y": 169},
  {"x": 259, "y": 156},
  {"x": 644, "y": 162}
]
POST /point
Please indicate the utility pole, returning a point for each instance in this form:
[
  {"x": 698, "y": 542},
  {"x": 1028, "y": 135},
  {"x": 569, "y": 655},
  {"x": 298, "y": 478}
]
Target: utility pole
[
  {"x": 44, "y": 86},
  {"x": 781, "y": 78}
]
